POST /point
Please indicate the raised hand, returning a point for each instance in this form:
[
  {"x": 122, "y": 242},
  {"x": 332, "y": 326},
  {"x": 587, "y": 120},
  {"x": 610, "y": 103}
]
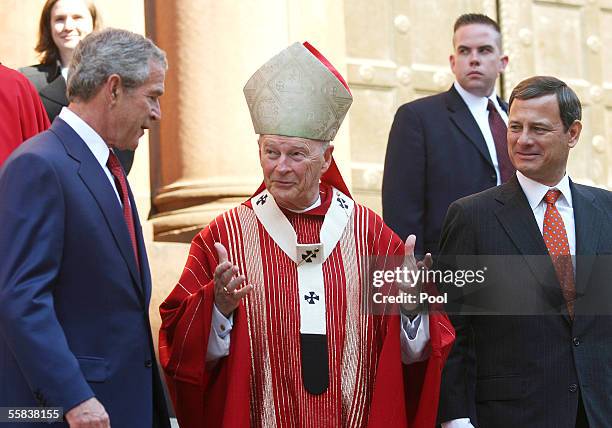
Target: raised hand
[
  {"x": 415, "y": 266},
  {"x": 227, "y": 281}
]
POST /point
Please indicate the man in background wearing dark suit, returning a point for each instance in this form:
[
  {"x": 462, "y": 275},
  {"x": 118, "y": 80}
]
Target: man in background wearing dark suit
[
  {"x": 543, "y": 354},
  {"x": 449, "y": 145},
  {"x": 75, "y": 284}
]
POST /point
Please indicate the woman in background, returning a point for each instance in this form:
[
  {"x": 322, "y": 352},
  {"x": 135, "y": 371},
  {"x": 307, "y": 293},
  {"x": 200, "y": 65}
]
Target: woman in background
[{"x": 63, "y": 23}]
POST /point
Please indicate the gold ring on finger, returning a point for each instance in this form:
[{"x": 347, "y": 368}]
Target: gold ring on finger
[{"x": 226, "y": 291}]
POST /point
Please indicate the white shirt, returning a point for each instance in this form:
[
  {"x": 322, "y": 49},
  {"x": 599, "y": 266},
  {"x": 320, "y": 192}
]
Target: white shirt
[
  {"x": 64, "y": 71},
  {"x": 478, "y": 108},
  {"x": 92, "y": 140},
  {"x": 535, "y": 192}
]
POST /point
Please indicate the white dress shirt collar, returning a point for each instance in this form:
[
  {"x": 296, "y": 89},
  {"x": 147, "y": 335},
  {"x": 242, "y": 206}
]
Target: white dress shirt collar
[
  {"x": 476, "y": 102},
  {"x": 92, "y": 139},
  {"x": 63, "y": 70},
  {"x": 478, "y": 109},
  {"x": 535, "y": 191}
]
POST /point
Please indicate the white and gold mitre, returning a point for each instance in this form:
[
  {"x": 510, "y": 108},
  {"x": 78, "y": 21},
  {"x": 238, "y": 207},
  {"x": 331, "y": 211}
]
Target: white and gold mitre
[{"x": 298, "y": 93}]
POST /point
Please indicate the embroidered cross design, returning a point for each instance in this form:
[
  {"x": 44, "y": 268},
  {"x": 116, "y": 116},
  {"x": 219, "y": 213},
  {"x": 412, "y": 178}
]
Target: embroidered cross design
[
  {"x": 309, "y": 255},
  {"x": 262, "y": 199},
  {"x": 311, "y": 297},
  {"x": 342, "y": 203}
]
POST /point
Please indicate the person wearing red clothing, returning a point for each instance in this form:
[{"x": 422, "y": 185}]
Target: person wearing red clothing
[
  {"x": 22, "y": 114},
  {"x": 274, "y": 321}
]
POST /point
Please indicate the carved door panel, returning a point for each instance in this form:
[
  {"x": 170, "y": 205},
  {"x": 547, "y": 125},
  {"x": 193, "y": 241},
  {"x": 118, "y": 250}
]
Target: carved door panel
[
  {"x": 571, "y": 40},
  {"x": 397, "y": 51}
]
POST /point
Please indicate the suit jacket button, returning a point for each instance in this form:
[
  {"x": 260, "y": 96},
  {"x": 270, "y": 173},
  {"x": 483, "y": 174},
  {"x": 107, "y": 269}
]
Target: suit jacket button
[
  {"x": 148, "y": 364},
  {"x": 576, "y": 341},
  {"x": 573, "y": 387}
]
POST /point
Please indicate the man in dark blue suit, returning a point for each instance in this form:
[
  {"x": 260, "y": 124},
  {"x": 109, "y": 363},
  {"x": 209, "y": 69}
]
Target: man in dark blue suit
[
  {"x": 74, "y": 278},
  {"x": 449, "y": 145},
  {"x": 540, "y": 324}
]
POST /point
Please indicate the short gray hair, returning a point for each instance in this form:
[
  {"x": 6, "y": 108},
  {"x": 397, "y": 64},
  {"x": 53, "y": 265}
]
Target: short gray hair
[
  {"x": 107, "y": 52},
  {"x": 570, "y": 109}
]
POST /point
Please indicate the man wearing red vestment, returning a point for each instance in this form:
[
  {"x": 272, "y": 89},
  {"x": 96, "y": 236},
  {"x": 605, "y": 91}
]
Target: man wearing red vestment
[
  {"x": 22, "y": 114},
  {"x": 273, "y": 321}
]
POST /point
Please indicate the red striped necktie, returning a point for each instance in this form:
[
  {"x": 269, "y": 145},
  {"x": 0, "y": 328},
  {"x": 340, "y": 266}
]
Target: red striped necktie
[{"x": 121, "y": 182}]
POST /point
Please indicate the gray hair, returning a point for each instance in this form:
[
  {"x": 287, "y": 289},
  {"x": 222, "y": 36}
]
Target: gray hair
[
  {"x": 107, "y": 52},
  {"x": 570, "y": 108}
]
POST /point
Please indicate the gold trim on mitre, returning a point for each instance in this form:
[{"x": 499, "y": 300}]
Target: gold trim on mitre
[{"x": 294, "y": 94}]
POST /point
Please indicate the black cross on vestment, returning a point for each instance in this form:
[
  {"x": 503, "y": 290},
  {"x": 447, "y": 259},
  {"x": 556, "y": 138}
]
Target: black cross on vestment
[
  {"x": 309, "y": 255},
  {"x": 311, "y": 297}
]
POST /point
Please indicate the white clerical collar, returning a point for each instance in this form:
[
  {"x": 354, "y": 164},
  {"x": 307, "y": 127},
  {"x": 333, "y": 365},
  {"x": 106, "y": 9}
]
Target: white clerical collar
[
  {"x": 309, "y": 258},
  {"x": 475, "y": 102},
  {"x": 535, "y": 191},
  {"x": 312, "y": 207},
  {"x": 92, "y": 139}
]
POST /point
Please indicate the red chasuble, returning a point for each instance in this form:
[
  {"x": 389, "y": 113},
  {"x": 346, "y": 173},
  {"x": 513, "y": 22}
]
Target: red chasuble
[
  {"x": 260, "y": 382},
  {"x": 22, "y": 114}
]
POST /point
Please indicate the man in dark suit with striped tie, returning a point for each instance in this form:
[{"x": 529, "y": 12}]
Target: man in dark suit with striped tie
[{"x": 541, "y": 322}]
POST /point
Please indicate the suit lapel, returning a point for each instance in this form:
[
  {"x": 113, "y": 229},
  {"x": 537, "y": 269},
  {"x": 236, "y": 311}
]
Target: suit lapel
[
  {"x": 97, "y": 182},
  {"x": 517, "y": 219},
  {"x": 55, "y": 91},
  {"x": 145, "y": 273},
  {"x": 461, "y": 116},
  {"x": 587, "y": 215}
]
